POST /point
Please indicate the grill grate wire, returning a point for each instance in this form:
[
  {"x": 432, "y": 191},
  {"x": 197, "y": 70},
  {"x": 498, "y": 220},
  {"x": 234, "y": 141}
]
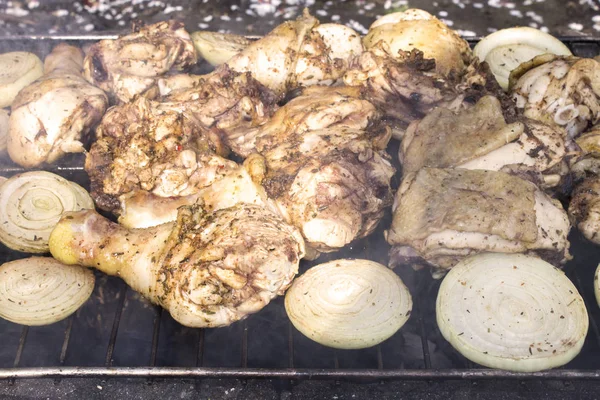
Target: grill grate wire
[{"x": 434, "y": 359}]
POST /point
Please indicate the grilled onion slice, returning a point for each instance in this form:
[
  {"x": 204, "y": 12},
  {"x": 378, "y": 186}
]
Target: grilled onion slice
[
  {"x": 31, "y": 204},
  {"x": 597, "y": 284},
  {"x": 17, "y": 70},
  {"x": 4, "y": 117},
  {"x": 512, "y": 312},
  {"x": 217, "y": 48},
  {"x": 348, "y": 304},
  {"x": 41, "y": 291},
  {"x": 506, "y": 49}
]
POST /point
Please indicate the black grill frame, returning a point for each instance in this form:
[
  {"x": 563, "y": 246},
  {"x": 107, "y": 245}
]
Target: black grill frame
[{"x": 71, "y": 168}]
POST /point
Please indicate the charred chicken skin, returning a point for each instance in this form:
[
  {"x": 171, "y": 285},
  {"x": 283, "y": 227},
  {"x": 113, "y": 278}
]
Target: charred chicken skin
[{"x": 130, "y": 65}]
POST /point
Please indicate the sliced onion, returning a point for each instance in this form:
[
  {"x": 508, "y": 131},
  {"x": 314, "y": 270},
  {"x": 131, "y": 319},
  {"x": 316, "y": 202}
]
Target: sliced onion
[
  {"x": 506, "y": 49},
  {"x": 217, "y": 48},
  {"x": 40, "y": 290},
  {"x": 4, "y": 117},
  {"x": 348, "y": 304},
  {"x": 31, "y": 204},
  {"x": 511, "y": 311},
  {"x": 17, "y": 70}
]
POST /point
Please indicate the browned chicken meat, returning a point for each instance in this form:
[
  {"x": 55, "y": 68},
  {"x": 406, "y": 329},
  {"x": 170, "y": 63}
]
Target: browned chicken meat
[
  {"x": 405, "y": 86},
  {"x": 327, "y": 169},
  {"x": 206, "y": 269},
  {"x": 417, "y": 29},
  {"x": 444, "y": 215},
  {"x": 480, "y": 138},
  {"x": 130, "y": 65},
  {"x": 54, "y": 114},
  {"x": 299, "y": 53},
  {"x": 584, "y": 208},
  {"x": 559, "y": 90},
  {"x": 141, "y": 145}
]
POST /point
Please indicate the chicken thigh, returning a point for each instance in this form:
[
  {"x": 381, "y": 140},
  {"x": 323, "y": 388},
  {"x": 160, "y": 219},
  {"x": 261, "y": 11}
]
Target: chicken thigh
[
  {"x": 444, "y": 215},
  {"x": 53, "y": 115},
  {"x": 130, "y": 65},
  {"x": 560, "y": 90},
  {"x": 480, "y": 138},
  {"x": 206, "y": 269}
]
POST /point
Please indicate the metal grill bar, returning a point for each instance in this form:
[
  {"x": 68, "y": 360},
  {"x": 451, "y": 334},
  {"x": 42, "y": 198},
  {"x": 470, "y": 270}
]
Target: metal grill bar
[
  {"x": 422, "y": 333},
  {"x": 63, "y": 351},
  {"x": 21, "y": 346},
  {"x": 115, "y": 328},
  {"x": 155, "y": 333},
  {"x": 290, "y": 345},
  {"x": 250, "y": 373},
  {"x": 200, "y": 352},
  {"x": 245, "y": 345}
]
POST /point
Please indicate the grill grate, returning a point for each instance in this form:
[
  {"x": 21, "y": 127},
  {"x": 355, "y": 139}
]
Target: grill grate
[{"x": 118, "y": 334}]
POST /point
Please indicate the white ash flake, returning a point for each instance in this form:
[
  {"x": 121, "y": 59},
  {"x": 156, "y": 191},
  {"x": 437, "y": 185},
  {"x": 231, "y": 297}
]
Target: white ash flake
[
  {"x": 88, "y": 27},
  {"x": 202, "y": 25},
  {"x": 335, "y": 17},
  {"x": 447, "y": 21},
  {"x": 596, "y": 27},
  {"x": 590, "y": 3},
  {"x": 369, "y": 6},
  {"x": 321, "y": 13},
  {"x": 357, "y": 26},
  {"x": 394, "y": 4},
  {"x": 458, "y": 3},
  {"x": 33, "y": 4},
  {"x": 60, "y": 13},
  {"x": 544, "y": 29},
  {"x": 516, "y": 13},
  {"x": 536, "y": 17},
  {"x": 596, "y": 18},
  {"x": 443, "y": 13},
  {"x": 478, "y": 5},
  {"x": 575, "y": 26},
  {"x": 16, "y": 11},
  {"x": 225, "y": 18},
  {"x": 169, "y": 9},
  {"x": 466, "y": 33}
]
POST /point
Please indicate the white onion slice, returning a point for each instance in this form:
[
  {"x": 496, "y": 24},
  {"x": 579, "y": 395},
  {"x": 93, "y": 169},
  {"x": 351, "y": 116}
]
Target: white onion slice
[
  {"x": 31, "y": 204},
  {"x": 40, "y": 290},
  {"x": 511, "y": 311},
  {"x": 17, "y": 70},
  {"x": 506, "y": 49},
  {"x": 348, "y": 304},
  {"x": 4, "y": 118}
]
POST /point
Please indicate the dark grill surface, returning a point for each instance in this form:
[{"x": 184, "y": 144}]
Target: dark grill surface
[{"x": 118, "y": 333}]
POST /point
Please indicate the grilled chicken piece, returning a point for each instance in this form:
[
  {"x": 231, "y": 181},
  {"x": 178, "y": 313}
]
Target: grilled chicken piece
[
  {"x": 327, "y": 169},
  {"x": 444, "y": 215},
  {"x": 206, "y": 269},
  {"x": 241, "y": 184},
  {"x": 405, "y": 85},
  {"x": 481, "y": 138},
  {"x": 559, "y": 90},
  {"x": 54, "y": 114},
  {"x": 221, "y": 102},
  {"x": 584, "y": 208},
  {"x": 130, "y": 65},
  {"x": 299, "y": 53},
  {"x": 417, "y": 29},
  {"x": 143, "y": 145}
]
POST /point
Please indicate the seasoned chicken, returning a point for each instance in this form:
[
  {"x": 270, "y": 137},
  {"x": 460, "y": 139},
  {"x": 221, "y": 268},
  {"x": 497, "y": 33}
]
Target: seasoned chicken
[
  {"x": 584, "y": 208},
  {"x": 233, "y": 185},
  {"x": 444, "y": 215},
  {"x": 299, "y": 53},
  {"x": 417, "y": 29},
  {"x": 206, "y": 269},
  {"x": 221, "y": 102},
  {"x": 130, "y": 65},
  {"x": 559, "y": 90},
  {"x": 142, "y": 145},
  {"x": 480, "y": 138},
  {"x": 54, "y": 114},
  {"x": 588, "y": 163},
  {"x": 405, "y": 86},
  {"x": 327, "y": 169}
]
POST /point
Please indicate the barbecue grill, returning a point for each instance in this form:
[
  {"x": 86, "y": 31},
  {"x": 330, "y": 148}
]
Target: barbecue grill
[{"x": 119, "y": 334}]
